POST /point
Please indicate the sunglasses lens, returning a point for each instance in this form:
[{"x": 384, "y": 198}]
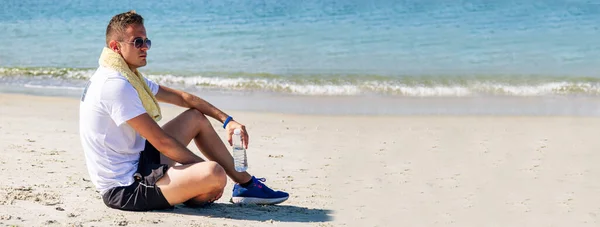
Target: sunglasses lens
[
  {"x": 148, "y": 43},
  {"x": 138, "y": 43}
]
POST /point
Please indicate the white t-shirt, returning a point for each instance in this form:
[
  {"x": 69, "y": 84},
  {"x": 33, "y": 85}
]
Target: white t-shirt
[{"x": 112, "y": 148}]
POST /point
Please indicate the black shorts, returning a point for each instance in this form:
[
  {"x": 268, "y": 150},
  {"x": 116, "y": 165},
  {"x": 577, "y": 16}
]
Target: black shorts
[{"x": 143, "y": 194}]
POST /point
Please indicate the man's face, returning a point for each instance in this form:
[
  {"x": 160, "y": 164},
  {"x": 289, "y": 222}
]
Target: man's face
[{"x": 135, "y": 57}]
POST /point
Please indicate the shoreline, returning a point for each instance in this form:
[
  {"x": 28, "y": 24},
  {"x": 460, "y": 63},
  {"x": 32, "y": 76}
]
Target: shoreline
[{"x": 369, "y": 105}]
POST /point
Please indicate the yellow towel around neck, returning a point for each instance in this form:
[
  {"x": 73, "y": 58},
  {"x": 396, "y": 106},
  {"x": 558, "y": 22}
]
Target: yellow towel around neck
[{"x": 113, "y": 60}]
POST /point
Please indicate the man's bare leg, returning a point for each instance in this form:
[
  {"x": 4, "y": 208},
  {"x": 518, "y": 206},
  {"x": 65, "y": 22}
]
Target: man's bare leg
[
  {"x": 189, "y": 125},
  {"x": 192, "y": 124},
  {"x": 195, "y": 184}
]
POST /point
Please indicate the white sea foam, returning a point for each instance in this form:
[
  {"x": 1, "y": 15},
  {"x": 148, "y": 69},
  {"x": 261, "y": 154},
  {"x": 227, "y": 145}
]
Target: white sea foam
[
  {"x": 328, "y": 85},
  {"x": 52, "y": 87}
]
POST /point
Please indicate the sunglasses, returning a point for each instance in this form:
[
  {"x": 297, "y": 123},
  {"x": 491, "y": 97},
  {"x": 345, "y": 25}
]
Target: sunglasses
[{"x": 139, "y": 42}]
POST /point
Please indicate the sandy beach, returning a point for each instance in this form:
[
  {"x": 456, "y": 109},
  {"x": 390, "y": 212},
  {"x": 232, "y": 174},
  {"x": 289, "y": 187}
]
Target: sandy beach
[{"x": 339, "y": 170}]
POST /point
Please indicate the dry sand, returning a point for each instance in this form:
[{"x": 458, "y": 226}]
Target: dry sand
[{"x": 339, "y": 170}]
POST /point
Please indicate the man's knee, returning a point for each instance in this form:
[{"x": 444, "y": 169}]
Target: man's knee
[
  {"x": 215, "y": 172},
  {"x": 219, "y": 174},
  {"x": 197, "y": 116}
]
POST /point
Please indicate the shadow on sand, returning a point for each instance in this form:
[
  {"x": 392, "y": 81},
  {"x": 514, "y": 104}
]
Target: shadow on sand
[{"x": 281, "y": 213}]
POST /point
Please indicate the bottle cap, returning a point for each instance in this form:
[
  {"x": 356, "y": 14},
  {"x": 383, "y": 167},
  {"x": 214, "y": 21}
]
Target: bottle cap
[{"x": 237, "y": 131}]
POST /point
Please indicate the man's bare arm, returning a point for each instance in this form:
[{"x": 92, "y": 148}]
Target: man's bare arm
[
  {"x": 162, "y": 141},
  {"x": 184, "y": 99},
  {"x": 187, "y": 100}
]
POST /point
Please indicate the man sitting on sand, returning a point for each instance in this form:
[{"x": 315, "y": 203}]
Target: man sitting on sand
[{"x": 131, "y": 159}]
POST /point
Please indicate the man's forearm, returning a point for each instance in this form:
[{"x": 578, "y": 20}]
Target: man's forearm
[{"x": 204, "y": 107}]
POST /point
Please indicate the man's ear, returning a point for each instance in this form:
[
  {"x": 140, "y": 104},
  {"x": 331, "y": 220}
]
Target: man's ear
[{"x": 114, "y": 45}]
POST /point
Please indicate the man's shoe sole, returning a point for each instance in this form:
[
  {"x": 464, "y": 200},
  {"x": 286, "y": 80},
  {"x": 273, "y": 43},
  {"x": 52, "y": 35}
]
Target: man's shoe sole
[{"x": 257, "y": 201}]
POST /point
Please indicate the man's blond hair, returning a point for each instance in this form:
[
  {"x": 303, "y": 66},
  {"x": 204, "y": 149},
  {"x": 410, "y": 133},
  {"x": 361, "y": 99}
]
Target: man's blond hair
[{"x": 118, "y": 24}]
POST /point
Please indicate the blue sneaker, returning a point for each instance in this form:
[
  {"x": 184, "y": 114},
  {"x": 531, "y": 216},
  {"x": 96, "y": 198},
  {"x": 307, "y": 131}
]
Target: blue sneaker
[{"x": 257, "y": 193}]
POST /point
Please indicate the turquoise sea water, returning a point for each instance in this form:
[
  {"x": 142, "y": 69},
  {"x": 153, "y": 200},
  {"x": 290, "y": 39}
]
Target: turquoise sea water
[{"x": 380, "y": 52}]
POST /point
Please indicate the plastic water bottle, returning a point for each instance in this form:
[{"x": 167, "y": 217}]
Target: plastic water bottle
[{"x": 239, "y": 152}]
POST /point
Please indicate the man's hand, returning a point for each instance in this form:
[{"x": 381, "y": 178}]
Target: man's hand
[{"x": 231, "y": 126}]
